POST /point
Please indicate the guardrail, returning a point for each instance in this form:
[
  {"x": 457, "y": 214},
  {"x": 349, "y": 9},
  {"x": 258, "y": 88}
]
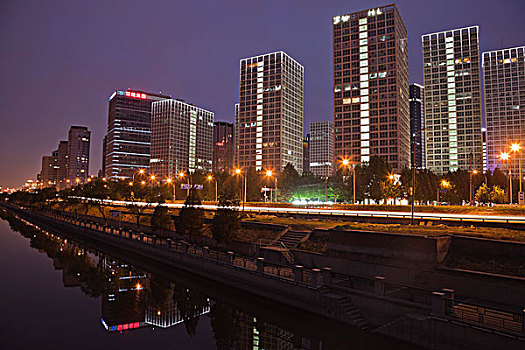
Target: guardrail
[{"x": 486, "y": 316}]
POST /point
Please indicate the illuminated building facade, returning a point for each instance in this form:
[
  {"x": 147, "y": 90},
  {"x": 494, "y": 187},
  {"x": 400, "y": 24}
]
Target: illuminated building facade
[
  {"x": 62, "y": 164},
  {"x": 453, "y": 119},
  {"x": 504, "y": 83},
  {"x": 223, "y": 146},
  {"x": 78, "y": 143},
  {"x": 49, "y": 171},
  {"x": 321, "y": 148},
  {"x": 127, "y": 142},
  {"x": 269, "y": 124},
  {"x": 417, "y": 125},
  {"x": 181, "y": 138},
  {"x": 370, "y": 67}
]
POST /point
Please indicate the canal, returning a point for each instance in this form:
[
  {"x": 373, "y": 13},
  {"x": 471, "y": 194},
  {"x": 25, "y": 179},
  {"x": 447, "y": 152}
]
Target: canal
[{"x": 61, "y": 294}]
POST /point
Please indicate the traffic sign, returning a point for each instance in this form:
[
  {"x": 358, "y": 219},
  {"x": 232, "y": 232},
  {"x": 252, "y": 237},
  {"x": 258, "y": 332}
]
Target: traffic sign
[{"x": 185, "y": 186}]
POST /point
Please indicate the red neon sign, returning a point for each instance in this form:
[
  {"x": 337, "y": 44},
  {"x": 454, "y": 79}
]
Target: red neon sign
[{"x": 136, "y": 95}]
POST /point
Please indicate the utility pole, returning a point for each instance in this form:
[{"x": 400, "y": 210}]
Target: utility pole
[{"x": 470, "y": 175}]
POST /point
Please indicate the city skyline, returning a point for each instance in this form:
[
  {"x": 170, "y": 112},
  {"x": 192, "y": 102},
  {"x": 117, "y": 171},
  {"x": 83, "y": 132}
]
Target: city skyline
[{"x": 76, "y": 67}]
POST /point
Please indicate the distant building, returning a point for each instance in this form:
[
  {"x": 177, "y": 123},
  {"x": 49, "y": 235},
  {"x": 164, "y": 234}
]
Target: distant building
[
  {"x": 370, "y": 67},
  {"x": 181, "y": 138},
  {"x": 127, "y": 142},
  {"x": 269, "y": 125},
  {"x": 504, "y": 82},
  {"x": 223, "y": 146},
  {"x": 236, "y": 137},
  {"x": 77, "y": 167},
  {"x": 306, "y": 154},
  {"x": 453, "y": 119},
  {"x": 417, "y": 125},
  {"x": 62, "y": 165},
  {"x": 321, "y": 148},
  {"x": 49, "y": 172}
]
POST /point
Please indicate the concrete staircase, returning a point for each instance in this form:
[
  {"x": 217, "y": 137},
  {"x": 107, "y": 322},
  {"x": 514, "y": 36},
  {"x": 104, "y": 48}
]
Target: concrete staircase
[
  {"x": 346, "y": 308},
  {"x": 291, "y": 239}
]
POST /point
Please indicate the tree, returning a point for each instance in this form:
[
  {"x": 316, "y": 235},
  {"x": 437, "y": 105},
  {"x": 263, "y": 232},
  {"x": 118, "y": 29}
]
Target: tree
[
  {"x": 483, "y": 194},
  {"x": 226, "y": 222},
  {"x": 497, "y": 195},
  {"x": 191, "y": 216},
  {"x": 160, "y": 219},
  {"x": 288, "y": 179}
]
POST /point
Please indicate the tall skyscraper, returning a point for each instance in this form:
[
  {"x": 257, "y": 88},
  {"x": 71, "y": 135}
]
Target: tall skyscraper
[
  {"x": 306, "y": 154},
  {"x": 270, "y": 118},
  {"x": 62, "y": 165},
  {"x": 236, "y": 137},
  {"x": 504, "y": 82},
  {"x": 371, "y": 109},
  {"x": 321, "y": 148},
  {"x": 181, "y": 138},
  {"x": 417, "y": 125},
  {"x": 127, "y": 142},
  {"x": 223, "y": 146},
  {"x": 78, "y": 142},
  {"x": 453, "y": 117}
]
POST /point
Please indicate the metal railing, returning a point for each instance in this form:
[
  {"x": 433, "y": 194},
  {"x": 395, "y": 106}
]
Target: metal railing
[{"x": 486, "y": 316}]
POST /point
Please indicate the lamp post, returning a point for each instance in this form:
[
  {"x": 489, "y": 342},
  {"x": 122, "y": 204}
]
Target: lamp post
[
  {"x": 140, "y": 172},
  {"x": 170, "y": 182},
  {"x": 445, "y": 184},
  {"x": 472, "y": 172},
  {"x": 515, "y": 147},
  {"x": 210, "y": 178},
  {"x": 504, "y": 156},
  {"x": 269, "y": 173},
  {"x": 239, "y": 172},
  {"x": 345, "y": 162}
]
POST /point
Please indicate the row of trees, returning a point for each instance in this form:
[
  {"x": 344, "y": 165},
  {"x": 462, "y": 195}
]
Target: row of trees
[{"x": 372, "y": 181}]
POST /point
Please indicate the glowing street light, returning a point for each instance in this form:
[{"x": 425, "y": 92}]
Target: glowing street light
[
  {"x": 269, "y": 174},
  {"x": 515, "y": 147},
  {"x": 210, "y": 178},
  {"x": 346, "y": 163},
  {"x": 239, "y": 172},
  {"x": 504, "y": 156}
]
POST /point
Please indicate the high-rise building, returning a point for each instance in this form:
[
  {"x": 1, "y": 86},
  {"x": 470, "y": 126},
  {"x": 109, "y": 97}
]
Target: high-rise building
[
  {"x": 181, "y": 138},
  {"x": 453, "y": 117},
  {"x": 127, "y": 142},
  {"x": 236, "y": 137},
  {"x": 504, "y": 82},
  {"x": 62, "y": 181},
  {"x": 223, "y": 146},
  {"x": 270, "y": 118},
  {"x": 370, "y": 67},
  {"x": 321, "y": 148},
  {"x": 49, "y": 171},
  {"x": 306, "y": 154},
  {"x": 77, "y": 166},
  {"x": 417, "y": 125}
]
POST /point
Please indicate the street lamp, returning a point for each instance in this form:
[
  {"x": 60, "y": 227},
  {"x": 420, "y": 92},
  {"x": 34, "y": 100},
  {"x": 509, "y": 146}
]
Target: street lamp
[
  {"x": 210, "y": 178},
  {"x": 445, "y": 184},
  {"x": 504, "y": 156},
  {"x": 269, "y": 173},
  {"x": 239, "y": 172},
  {"x": 345, "y": 162},
  {"x": 515, "y": 147},
  {"x": 473, "y": 172},
  {"x": 170, "y": 182}
]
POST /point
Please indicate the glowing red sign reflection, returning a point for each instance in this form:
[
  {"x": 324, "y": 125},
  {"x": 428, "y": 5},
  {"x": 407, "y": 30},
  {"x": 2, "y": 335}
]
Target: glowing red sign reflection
[{"x": 136, "y": 94}]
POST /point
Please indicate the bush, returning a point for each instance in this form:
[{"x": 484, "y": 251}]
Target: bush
[
  {"x": 191, "y": 217},
  {"x": 226, "y": 222}
]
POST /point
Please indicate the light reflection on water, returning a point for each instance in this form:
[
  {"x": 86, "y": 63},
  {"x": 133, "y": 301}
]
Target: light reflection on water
[{"x": 121, "y": 305}]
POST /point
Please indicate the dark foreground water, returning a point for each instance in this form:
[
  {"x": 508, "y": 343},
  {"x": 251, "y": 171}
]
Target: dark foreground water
[{"x": 59, "y": 294}]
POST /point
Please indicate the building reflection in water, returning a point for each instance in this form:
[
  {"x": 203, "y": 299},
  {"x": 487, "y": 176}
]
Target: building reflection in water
[{"x": 133, "y": 299}]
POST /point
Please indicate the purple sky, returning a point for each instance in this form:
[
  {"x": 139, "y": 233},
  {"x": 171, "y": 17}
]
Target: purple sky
[{"x": 61, "y": 60}]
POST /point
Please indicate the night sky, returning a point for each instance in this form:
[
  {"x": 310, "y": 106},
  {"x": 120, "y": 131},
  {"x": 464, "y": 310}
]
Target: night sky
[{"x": 61, "y": 60}]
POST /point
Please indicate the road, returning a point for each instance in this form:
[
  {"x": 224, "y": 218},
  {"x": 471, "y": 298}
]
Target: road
[{"x": 355, "y": 213}]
